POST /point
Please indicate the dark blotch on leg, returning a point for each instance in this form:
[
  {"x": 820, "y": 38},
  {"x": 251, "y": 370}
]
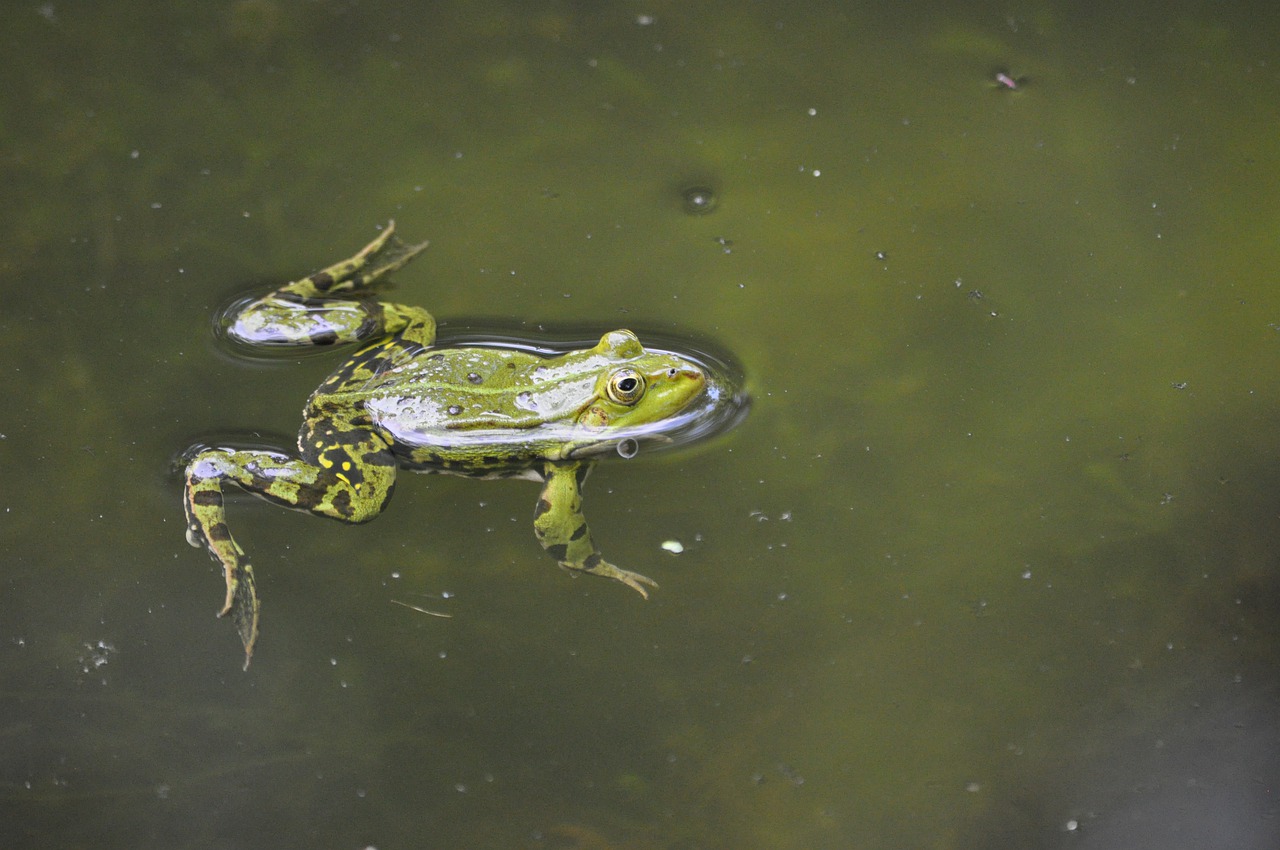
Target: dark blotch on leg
[
  {"x": 307, "y": 498},
  {"x": 342, "y": 504},
  {"x": 207, "y": 498}
]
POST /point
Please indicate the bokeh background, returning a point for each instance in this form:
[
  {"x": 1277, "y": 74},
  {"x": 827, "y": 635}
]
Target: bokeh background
[{"x": 992, "y": 562}]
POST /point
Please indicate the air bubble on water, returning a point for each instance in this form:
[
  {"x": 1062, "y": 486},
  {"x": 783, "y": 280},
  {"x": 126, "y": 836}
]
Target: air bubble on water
[{"x": 98, "y": 655}]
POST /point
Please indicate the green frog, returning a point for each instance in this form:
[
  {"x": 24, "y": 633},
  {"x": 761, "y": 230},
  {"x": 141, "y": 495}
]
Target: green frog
[{"x": 400, "y": 403}]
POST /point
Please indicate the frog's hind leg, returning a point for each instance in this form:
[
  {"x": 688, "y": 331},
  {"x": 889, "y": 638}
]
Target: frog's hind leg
[
  {"x": 207, "y": 527},
  {"x": 330, "y": 307},
  {"x": 328, "y": 482}
]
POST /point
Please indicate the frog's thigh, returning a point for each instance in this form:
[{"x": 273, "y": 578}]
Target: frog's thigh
[
  {"x": 280, "y": 320},
  {"x": 324, "y": 490},
  {"x": 354, "y": 471}
]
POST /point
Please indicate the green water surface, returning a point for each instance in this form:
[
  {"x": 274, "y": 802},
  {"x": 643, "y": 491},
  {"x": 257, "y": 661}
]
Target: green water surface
[{"x": 992, "y": 562}]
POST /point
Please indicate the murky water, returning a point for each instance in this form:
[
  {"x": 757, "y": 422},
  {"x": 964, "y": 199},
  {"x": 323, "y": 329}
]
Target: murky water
[{"x": 991, "y": 563}]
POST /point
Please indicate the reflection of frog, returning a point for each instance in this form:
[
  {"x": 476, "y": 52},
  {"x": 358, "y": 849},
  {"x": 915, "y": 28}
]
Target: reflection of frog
[{"x": 474, "y": 411}]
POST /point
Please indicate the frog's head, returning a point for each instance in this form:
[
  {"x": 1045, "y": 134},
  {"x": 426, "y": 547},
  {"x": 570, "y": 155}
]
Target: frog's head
[{"x": 638, "y": 391}]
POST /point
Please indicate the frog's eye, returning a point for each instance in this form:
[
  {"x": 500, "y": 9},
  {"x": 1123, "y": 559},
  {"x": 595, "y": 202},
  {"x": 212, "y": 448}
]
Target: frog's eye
[{"x": 626, "y": 386}]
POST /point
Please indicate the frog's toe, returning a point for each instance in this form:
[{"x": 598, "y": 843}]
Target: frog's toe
[
  {"x": 234, "y": 577},
  {"x": 635, "y": 581}
]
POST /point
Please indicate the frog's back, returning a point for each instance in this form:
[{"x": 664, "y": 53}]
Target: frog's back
[{"x": 462, "y": 409}]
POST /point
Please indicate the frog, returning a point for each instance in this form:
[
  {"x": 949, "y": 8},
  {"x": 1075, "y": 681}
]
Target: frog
[{"x": 403, "y": 403}]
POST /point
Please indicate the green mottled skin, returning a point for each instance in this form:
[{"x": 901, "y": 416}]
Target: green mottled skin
[{"x": 398, "y": 403}]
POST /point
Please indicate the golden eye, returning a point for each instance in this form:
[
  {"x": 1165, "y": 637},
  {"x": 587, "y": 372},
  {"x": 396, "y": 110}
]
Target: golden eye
[{"x": 626, "y": 386}]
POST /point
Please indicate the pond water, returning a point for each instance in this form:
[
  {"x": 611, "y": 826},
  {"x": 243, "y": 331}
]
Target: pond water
[{"x": 992, "y": 562}]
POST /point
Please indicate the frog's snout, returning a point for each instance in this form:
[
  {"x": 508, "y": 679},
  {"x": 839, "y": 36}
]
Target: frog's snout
[
  {"x": 694, "y": 375},
  {"x": 691, "y": 377}
]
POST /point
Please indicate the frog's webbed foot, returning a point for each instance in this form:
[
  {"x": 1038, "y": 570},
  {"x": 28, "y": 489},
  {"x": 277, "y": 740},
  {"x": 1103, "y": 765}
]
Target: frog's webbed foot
[
  {"x": 243, "y": 605},
  {"x": 242, "y": 596},
  {"x": 379, "y": 258},
  {"x": 601, "y": 567}
]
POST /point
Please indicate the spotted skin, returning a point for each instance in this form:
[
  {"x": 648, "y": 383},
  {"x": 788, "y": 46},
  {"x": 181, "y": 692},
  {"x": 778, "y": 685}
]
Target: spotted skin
[
  {"x": 397, "y": 403},
  {"x": 562, "y": 530}
]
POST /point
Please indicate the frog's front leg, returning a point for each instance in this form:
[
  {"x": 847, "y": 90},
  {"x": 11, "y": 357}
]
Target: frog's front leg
[
  {"x": 330, "y": 307},
  {"x": 348, "y": 481},
  {"x": 562, "y": 529}
]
